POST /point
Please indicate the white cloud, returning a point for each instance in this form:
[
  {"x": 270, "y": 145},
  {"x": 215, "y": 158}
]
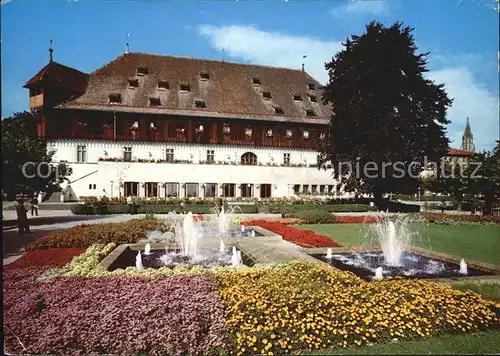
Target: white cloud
[
  {"x": 361, "y": 7},
  {"x": 471, "y": 98},
  {"x": 275, "y": 49},
  {"x": 3, "y": 2}
]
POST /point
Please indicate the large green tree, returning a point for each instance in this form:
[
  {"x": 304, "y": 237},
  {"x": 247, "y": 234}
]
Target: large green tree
[
  {"x": 386, "y": 114},
  {"x": 26, "y": 162}
]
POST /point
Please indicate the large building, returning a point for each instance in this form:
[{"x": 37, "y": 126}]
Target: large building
[{"x": 152, "y": 125}]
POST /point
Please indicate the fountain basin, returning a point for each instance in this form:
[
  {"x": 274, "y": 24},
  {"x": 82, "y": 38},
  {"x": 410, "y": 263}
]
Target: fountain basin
[
  {"x": 125, "y": 256},
  {"x": 416, "y": 264}
]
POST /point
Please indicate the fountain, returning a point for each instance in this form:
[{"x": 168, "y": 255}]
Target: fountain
[
  {"x": 147, "y": 249},
  {"x": 190, "y": 236},
  {"x": 252, "y": 233},
  {"x": 463, "y": 267},
  {"x": 138, "y": 262},
  {"x": 242, "y": 228},
  {"x": 222, "y": 248},
  {"x": 236, "y": 258},
  {"x": 395, "y": 257},
  {"x": 378, "y": 273},
  {"x": 223, "y": 222}
]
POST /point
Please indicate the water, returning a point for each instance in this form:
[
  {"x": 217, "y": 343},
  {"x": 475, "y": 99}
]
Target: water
[
  {"x": 223, "y": 222},
  {"x": 393, "y": 237},
  {"x": 463, "y": 267},
  {"x": 222, "y": 246},
  {"x": 138, "y": 262},
  {"x": 147, "y": 249},
  {"x": 379, "y": 273},
  {"x": 329, "y": 254}
]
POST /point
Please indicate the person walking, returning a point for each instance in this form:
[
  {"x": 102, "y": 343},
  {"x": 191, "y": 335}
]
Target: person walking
[
  {"x": 22, "y": 217},
  {"x": 34, "y": 206}
]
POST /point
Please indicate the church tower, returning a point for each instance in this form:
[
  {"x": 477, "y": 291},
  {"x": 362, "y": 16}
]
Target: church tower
[{"x": 467, "y": 138}]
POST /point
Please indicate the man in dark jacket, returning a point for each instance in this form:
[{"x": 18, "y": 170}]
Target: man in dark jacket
[
  {"x": 34, "y": 206},
  {"x": 22, "y": 217}
]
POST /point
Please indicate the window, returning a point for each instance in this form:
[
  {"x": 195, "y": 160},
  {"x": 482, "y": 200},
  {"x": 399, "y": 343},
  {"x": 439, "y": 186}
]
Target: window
[
  {"x": 205, "y": 76},
  {"x": 247, "y": 190},
  {"x": 171, "y": 190},
  {"x": 191, "y": 190},
  {"x": 163, "y": 85},
  {"x": 92, "y": 186},
  {"x": 210, "y": 156},
  {"x": 311, "y": 86},
  {"x": 310, "y": 112},
  {"x": 249, "y": 158},
  {"x": 81, "y": 153},
  {"x": 169, "y": 155},
  {"x": 200, "y": 104},
  {"x": 151, "y": 189},
  {"x": 286, "y": 159},
  {"x": 131, "y": 188},
  {"x": 141, "y": 71},
  {"x": 313, "y": 98},
  {"x": 127, "y": 153},
  {"x": 265, "y": 190},
  {"x": 266, "y": 95},
  {"x": 314, "y": 188},
  {"x": 322, "y": 189},
  {"x": 296, "y": 189},
  {"x": 210, "y": 190},
  {"x": 330, "y": 189},
  {"x": 229, "y": 190},
  {"x": 278, "y": 110},
  {"x": 133, "y": 83},
  {"x": 154, "y": 101},
  {"x": 305, "y": 189},
  {"x": 115, "y": 98},
  {"x": 185, "y": 88},
  {"x": 256, "y": 81},
  {"x": 297, "y": 97}
]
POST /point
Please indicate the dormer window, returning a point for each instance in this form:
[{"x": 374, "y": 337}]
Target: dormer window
[
  {"x": 311, "y": 86},
  {"x": 185, "y": 88},
  {"x": 204, "y": 76},
  {"x": 163, "y": 85},
  {"x": 200, "y": 104},
  {"x": 133, "y": 83},
  {"x": 115, "y": 98},
  {"x": 154, "y": 101},
  {"x": 279, "y": 110},
  {"x": 266, "y": 95},
  {"x": 141, "y": 71},
  {"x": 256, "y": 81},
  {"x": 310, "y": 112},
  {"x": 313, "y": 98},
  {"x": 297, "y": 97}
]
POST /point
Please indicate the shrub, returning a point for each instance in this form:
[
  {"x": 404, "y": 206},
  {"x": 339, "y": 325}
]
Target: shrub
[
  {"x": 314, "y": 216},
  {"x": 113, "y": 315},
  {"x": 457, "y": 219},
  {"x": 82, "y": 236},
  {"x": 358, "y": 208},
  {"x": 304, "y": 238},
  {"x": 88, "y": 209},
  {"x": 351, "y": 219}
]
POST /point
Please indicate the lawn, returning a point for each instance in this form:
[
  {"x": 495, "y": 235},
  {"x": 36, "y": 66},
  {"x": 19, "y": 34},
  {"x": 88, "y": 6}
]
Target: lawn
[{"x": 474, "y": 242}]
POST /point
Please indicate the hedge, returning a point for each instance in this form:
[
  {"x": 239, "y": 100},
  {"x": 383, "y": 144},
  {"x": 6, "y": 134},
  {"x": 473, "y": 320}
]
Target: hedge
[{"x": 86, "y": 209}]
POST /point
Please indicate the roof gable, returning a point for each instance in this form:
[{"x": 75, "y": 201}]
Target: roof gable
[{"x": 60, "y": 75}]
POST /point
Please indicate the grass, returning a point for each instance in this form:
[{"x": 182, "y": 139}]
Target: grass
[
  {"x": 472, "y": 344},
  {"x": 476, "y": 242},
  {"x": 479, "y": 243}
]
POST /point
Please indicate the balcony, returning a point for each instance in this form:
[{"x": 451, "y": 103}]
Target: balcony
[{"x": 36, "y": 101}]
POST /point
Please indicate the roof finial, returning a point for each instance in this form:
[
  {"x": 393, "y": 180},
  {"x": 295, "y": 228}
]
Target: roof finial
[
  {"x": 127, "y": 50},
  {"x": 50, "y": 52}
]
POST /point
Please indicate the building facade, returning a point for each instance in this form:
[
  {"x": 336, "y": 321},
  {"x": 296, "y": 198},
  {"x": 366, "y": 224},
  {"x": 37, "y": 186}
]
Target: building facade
[{"x": 163, "y": 126}]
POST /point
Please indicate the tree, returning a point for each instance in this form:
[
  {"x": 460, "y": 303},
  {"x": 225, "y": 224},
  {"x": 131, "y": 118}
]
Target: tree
[
  {"x": 27, "y": 167},
  {"x": 384, "y": 112},
  {"x": 450, "y": 178}
]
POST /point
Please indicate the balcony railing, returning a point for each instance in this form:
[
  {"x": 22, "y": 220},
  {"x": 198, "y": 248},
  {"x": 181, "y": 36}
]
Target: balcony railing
[{"x": 36, "y": 101}]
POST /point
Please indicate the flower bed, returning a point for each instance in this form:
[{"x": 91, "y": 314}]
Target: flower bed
[
  {"x": 303, "y": 238},
  {"x": 309, "y": 306},
  {"x": 83, "y": 236},
  {"x": 50, "y": 257},
  {"x": 113, "y": 315},
  {"x": 351, "y": 219},
  {"x": 457, "y": 219}
]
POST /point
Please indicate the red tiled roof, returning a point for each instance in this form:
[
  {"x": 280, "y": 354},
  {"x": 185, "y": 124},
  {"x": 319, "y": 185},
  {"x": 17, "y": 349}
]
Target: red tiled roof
[
  {"x": 229, "y": 91},
  {"x": 61, "y": 75},
  {"x": 458, "y": 152}
]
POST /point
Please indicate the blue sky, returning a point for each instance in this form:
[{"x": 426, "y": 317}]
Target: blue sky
[{"x": 462, "y": 36}]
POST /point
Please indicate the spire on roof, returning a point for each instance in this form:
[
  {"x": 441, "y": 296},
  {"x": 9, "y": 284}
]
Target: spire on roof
[
  {"x": 127, "y": 49},
  {"x": 467, "y": 138},
  {"x": 467, "y": 132},
  {"x": 50, "y": 52}
]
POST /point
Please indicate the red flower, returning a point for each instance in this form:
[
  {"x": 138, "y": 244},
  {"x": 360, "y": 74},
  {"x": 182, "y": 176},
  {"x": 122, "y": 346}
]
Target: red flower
[
  {"x": 351, "y": 219},
  {"x": 49, "y": 257},
  {"x": 303, "y": 238}
]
